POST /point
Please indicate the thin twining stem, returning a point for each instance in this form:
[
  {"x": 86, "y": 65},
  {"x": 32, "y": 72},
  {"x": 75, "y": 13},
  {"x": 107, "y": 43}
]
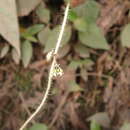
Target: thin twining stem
[
  {"x": 62, "y": 29},
  {"x": 51, "y": 70}
]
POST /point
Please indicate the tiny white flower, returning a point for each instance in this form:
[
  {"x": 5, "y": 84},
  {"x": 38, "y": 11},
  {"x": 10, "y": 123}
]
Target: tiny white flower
[{"x": 57, "y": 71}]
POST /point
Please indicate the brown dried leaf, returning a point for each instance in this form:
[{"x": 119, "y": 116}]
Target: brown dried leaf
[
  {"x": 9, "y": 24},
  {"x": 26, "y": 6}
]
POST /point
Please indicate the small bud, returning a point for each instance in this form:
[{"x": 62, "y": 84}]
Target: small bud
[{"x": 50, "y": 55}]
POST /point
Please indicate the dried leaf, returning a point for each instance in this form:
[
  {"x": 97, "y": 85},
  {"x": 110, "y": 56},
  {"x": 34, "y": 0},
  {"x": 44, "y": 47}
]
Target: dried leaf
[
  {"x": 4, "y": 51},
  {"x": 9, "y": 24},
  {"x": 26, "y": 6},
  {"x": 15, "y": 56}
]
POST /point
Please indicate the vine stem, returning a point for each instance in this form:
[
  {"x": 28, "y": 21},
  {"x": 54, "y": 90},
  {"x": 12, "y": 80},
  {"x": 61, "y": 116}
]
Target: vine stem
[{"x": 51, "y": 70}]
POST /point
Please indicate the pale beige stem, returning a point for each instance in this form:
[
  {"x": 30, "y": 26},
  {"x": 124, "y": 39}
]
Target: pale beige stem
[{"x": 51, "y": 70}]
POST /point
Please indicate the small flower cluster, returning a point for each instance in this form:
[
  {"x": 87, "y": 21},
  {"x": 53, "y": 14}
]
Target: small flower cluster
[{"x": 57, "y": 71}]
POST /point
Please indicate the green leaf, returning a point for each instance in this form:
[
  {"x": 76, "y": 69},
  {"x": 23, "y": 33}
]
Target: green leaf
[
  {"x": 74, "y": 64},
  {"x": 80, "y": 24},
  {"x": 31, "y": 31},
  {"x": 101, "y": 118},
  {"x": 64, "y": 51},
  {"x": 94, "y": 126},
  {"x": 4, "y": 51},
  {"x": 38, "y": 126},
  {"x": 126, "y": 126},
  {"x": 83, "y": 74},
  {"x": 52, "y": 39},
  {"x": 88, "y": 10},
  {"x": 31, "y": 39},
  {"x": 87, "y": 63},
  {"x": 93, "y": 10},
  {"x": 82, "y": 50},
  {"x": 44, "y": 35},
  {"x": 74, "y": 87},
  {"x": 72, "y": 16},
  {"x": 125, "y": 36},
  {"x": 43, "y": 13},
  {"x": 34, "y": 29},
  {"x": 27, "y": 52},
  {"x": 93, "y": 38}
]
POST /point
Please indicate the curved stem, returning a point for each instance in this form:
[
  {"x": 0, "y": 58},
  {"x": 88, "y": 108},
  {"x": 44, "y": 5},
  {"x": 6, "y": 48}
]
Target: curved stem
[
  {"x": 51, "y": 70},
  {"x": 44, "y": 98}
]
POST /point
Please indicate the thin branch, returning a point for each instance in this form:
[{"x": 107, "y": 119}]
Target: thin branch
[{"x": 51, "y": 70}]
